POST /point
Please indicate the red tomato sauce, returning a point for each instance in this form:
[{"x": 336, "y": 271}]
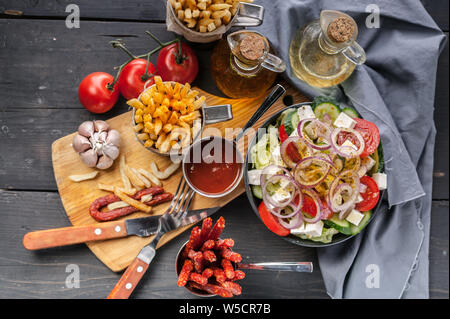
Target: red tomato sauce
[{"x": 213, "y": 173}]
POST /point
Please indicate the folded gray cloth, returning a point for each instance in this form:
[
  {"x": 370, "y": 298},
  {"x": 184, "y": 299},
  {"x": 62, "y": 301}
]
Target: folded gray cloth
[{"x": 394, "y": 89}]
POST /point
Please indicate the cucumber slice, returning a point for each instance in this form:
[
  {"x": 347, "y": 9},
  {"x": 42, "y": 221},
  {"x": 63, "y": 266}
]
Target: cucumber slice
[
  {"x": 342, "y": 225},
  {"x": 290, "y": 122},
  {"x": 327, "y": 108},
  {"x": 378, "y": 157},
  {"x": 324, "y": 99},
  {"x": 350, "y": 112},
  {"x": 257, "y": 192},
  {"x": 357, "y": 229},
  {"x": 283, "y": 115},
  {"x": 262, "y": 154}
]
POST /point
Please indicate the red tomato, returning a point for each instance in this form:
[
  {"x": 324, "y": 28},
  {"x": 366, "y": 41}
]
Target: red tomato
[
  {"x": 94, "y": 94},
  {"x": 291, "y": 150},
  {"x": 173, "y": 66},
  {"x": 271, "y": 221},
  {"x": 371, "y": 135},
  {"x": 309, "y": 206},
  {"x": 132, "y": 78},
  {"x": 327, "y": 213},
  {"x": 370, "y": 196}
]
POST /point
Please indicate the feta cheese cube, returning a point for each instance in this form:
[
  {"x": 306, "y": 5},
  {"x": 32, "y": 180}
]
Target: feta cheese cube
[
  {"x": 254, "y": 176},
  {"x": 310, "y": 230},
  {"x": 359, "y": 199},
  {"x": 366, "y": 164},
  {"x": 305, "y": 112},
  {"x": 347, "y": 143},
  {"x": 276, "y": 156},
  {"x": 355, "y": 217},
  {"x": 381, "y": 180},
  {"x": 345, "y": 121}
]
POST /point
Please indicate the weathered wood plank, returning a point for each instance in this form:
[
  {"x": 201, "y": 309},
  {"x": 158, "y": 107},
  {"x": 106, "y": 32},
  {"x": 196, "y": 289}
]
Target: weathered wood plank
[
  {"x": 439, "y": 250},
  {"x": 108, "y": 10},
  {"x": 42, "y": 274},
  {"x": 146, "y": 10},
  {"x": 53, "y": 59},
  {"x": 441, "y": 118}
]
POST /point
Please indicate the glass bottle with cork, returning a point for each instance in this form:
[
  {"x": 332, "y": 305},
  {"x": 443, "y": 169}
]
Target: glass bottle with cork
[
  {"x": 324, "y": 52},
  {"x": 243, "y": 67}
]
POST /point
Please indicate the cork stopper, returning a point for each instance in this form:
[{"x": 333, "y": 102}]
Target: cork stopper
[
  {"x": 341, "y": 29},
  {"x": 252, "y": 47}
]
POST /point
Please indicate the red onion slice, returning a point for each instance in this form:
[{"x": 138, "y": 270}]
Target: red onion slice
[
  {"x": 295, "y": 222},
  {"x": 323, "y": 161},
  {"x": 318, "y": 203},
  {"x": 274, "y": 179},
  {"x": 323, "y": 131},
  {"x": 347, "y": 151},
  {"x": 355, "y": 185},
  {"x": 297, "y": 142}
]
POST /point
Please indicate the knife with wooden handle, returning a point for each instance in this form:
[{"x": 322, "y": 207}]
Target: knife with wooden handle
[{"x": 143, "y": 227}]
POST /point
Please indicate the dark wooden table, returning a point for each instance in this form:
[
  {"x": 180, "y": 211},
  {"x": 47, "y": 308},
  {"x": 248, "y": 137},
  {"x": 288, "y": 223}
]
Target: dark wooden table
[{"x": 41, "y": 64}]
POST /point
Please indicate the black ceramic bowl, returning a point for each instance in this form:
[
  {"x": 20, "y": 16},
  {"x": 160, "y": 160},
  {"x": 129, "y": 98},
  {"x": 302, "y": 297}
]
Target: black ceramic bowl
[{"x": 254, "y": 202}]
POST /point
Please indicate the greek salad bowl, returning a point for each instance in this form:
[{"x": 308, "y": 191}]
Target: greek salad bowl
[{"x": 315, "y": 176}]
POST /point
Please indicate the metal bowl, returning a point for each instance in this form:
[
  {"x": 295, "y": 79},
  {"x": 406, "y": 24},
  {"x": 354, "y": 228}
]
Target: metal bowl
[
  {"x": 210, "y": 115},
  {"x": 254, "y": 202},
  {"x": 178, "y": 265}
]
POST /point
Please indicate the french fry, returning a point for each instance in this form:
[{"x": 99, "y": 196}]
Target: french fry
[
  {"x": 166, "y": 173},
  {"x": 131, "y": 201},
  {"x": 150, "y": 176},
  {"x": 116, "y": 205},
  {"x": 83, "y": 177},
  {"x": 133, "y": 178},
  {"x": 125, "y": 181},
  {"x": 141, "y": 177}
]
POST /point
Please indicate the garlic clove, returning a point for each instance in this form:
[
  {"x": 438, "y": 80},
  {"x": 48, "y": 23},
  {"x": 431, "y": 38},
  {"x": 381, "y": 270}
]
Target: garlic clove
[
  {"x": 111, "y": 151},
  {"x": 89, "y": 158},
  {"x": 113, "y": 138},
  {"x": 104, "y": 162},
  {"x": 86, "y": 129},
  {"x": 102, "y": 136},
  {"x": 101, "y": 126},
  {"x": 80, "y": 143}
]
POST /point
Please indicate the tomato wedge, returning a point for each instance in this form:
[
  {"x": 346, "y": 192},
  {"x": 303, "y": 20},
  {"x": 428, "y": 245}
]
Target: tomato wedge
[
  {"x": 291, "y": 150},
  {"x": 309, "y": 207},
  {"x": 271, "y": 221},
  {"x": 371, "y": 135},
  {"x": 370, "y": 196}
]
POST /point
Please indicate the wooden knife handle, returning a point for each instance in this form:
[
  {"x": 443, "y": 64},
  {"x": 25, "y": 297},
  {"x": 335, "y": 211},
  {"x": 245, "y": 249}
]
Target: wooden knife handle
[
  {"x": 74, "y": 235},
  {"x": 129, "y": 280}
]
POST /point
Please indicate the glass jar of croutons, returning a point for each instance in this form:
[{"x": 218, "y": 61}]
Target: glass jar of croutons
[{"x": 207, "y": 20}]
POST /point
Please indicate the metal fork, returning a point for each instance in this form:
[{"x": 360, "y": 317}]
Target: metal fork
[{"x": 170, "y": 220}]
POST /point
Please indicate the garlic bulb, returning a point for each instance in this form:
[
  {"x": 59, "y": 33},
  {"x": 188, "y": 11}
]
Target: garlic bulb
[{"x": 97, "y": 145}]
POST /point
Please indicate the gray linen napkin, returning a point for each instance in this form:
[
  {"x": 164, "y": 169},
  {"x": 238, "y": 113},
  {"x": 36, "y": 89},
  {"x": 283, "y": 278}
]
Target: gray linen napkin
[{"x": 394, "y": 89}]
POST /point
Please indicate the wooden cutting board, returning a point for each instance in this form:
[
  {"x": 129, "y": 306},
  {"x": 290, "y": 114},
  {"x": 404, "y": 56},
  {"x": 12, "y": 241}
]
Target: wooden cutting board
[{"x": 117, "y": 254}]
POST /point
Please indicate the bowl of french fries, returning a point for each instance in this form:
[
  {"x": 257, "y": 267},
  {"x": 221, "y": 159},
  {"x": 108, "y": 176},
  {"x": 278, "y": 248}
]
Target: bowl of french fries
[
  {"x": 168, "y": 117},
  {"x": 206, "y": 20}
]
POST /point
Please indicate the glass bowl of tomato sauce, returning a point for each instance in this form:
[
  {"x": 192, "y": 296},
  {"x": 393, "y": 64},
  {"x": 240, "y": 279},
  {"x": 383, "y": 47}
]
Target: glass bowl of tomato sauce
[{"x": 213, "y": 166}]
